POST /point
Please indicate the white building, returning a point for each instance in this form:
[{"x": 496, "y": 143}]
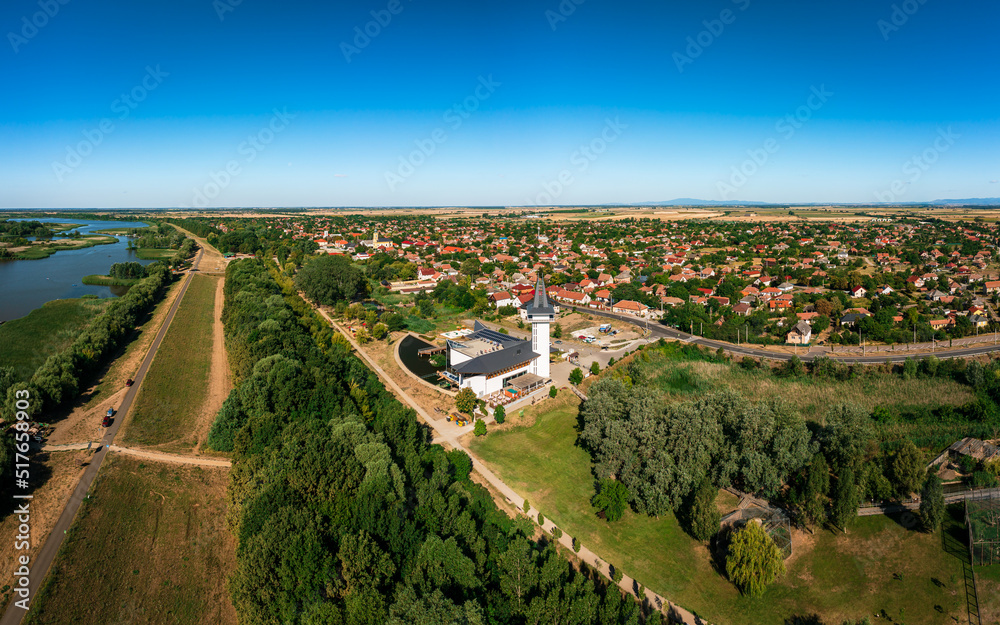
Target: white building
[{"x": 489, "y": 362}]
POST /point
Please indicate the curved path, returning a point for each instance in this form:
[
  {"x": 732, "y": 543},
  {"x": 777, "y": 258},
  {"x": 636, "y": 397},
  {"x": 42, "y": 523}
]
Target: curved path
[
  {"x": 658, "y": 330},
  {"x": 45, "y": 556},
  {"x": 150, "y": 455},
  {"x": 674, "y": 612}
]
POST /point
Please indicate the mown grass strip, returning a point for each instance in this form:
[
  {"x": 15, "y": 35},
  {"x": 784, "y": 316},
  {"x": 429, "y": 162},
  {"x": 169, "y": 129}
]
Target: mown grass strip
[{"x": 170, "y": 400}]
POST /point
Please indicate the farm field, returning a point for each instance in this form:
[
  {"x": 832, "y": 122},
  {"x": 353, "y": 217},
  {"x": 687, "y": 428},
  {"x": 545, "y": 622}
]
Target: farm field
[
  {"x": 832, "y": 575},
  {"x": 150, "y": 546}
]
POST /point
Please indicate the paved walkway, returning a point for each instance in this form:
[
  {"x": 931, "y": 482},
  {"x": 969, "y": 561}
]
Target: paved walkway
[
  {"x": 46, "y": 555},
  {"x": 675, "y": 612}
]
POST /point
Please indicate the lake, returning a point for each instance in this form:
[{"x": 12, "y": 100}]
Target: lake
[{"x": 27, "y": 284}]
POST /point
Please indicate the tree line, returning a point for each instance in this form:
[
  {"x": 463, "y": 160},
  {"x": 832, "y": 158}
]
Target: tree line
[{"x": 343, "y": 510}]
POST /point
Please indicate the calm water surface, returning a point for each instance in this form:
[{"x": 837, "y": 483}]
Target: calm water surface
[{"x": 27, "y": 284}]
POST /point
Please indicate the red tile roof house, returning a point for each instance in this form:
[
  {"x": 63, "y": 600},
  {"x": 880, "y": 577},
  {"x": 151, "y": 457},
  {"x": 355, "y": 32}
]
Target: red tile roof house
[
  {"x": 630, "y": 308},
  {"x": 742, "y": 310}
]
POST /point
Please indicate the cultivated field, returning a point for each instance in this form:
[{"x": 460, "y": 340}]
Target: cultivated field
[
  {"x": 149, "y": 546},
  {"x": 169, "y": 407},
  {"x": 916, "y": 578}
]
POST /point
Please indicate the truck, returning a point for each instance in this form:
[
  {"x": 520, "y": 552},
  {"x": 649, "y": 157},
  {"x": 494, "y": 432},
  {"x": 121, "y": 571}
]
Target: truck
[{"x": 605, "y": 328}]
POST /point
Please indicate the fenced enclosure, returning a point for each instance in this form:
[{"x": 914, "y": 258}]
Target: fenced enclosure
[
  {"x": 776, "y": 524},
  {"x": 982, "y": 518}
]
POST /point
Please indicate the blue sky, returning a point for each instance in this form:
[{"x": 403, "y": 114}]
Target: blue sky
[{"x": 202, "y": 103}]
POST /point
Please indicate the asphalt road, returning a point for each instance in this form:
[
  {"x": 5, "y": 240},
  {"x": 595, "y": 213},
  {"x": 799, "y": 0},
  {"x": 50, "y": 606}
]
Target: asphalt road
[
  {"x": 662, "y": 331},
  {"x": 43, "y": 559}
]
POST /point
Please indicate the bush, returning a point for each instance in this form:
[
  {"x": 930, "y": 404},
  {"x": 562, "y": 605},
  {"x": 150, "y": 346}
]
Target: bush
[
  {"x": 557, "y": 533},
  {"x": 616, "y": 574},
  {"x": 526, "y": 506},
  {"x": 553, "y": 391},
  {"x": 576, "y": 376},
  {"x": 499, "y": 414},
  {"x": 541, "y": 519},
  {"x": 480, "y": 429},
  {"x": 576, "y": 545},
  {"x": 612, "y": 499},
  {"x": 595, "y": 368}
]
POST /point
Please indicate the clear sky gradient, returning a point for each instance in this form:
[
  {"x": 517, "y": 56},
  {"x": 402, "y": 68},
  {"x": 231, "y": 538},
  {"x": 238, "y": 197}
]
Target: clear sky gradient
[{"x": 193, "y": 103}]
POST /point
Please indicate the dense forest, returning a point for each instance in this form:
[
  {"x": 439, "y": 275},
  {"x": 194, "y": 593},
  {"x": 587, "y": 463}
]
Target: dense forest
[{"x": 343, "y": 510}]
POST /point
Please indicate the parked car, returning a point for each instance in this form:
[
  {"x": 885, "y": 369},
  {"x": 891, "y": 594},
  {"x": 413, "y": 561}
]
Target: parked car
[
  {"x": 107, "y": 418},
  {"x": 129, "y": 382}
]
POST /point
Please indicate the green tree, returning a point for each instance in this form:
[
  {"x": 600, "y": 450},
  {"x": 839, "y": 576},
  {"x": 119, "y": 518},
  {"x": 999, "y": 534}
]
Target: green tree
[
  {"x": 907, "y": 469},
  {"x": 328, "y": 279},
  {"x": 753, "y": 560},
  {"x": 595, "y": 368},
  {"x": 576, "y": 376},
  {"x": 814, "y": 491},
  {"x": 846, "y": 499},
  {"x": 480, "y": 429},
  {"x": 847, "y": 431},
  {"x": 703, "y": 516},
  {"x": 557, "y": 331},
  {"x": 499, "y": 414},
  {"x": 932, "y": 507},
  {"x": 379, "y": 331},
  {"x": 553, "y": 391},
  {"x": 465, "y": 400},
  {"x": 611, "y": 499}
]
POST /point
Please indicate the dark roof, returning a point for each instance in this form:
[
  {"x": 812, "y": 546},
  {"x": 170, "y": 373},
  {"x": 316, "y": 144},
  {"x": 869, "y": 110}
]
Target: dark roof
[
  {"x": 540, "y": 304},
  {"x": 512, "y": 355}
]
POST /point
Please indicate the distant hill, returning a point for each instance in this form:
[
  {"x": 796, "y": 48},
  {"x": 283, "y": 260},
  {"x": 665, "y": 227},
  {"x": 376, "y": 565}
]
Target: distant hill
[{"x": 975, "y": 201}]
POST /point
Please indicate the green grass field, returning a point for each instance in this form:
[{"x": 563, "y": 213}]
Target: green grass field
[
  {"x": 149, "y": 546},
  {"x": 99, "y": 280},
  {"x": 150, "y": 253},
  {"x": 27, "y": 342},
  {"x": 833, "y": 575},
  {"x": 170, "y": 399},
  {"x": 812, "y": 396}
]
